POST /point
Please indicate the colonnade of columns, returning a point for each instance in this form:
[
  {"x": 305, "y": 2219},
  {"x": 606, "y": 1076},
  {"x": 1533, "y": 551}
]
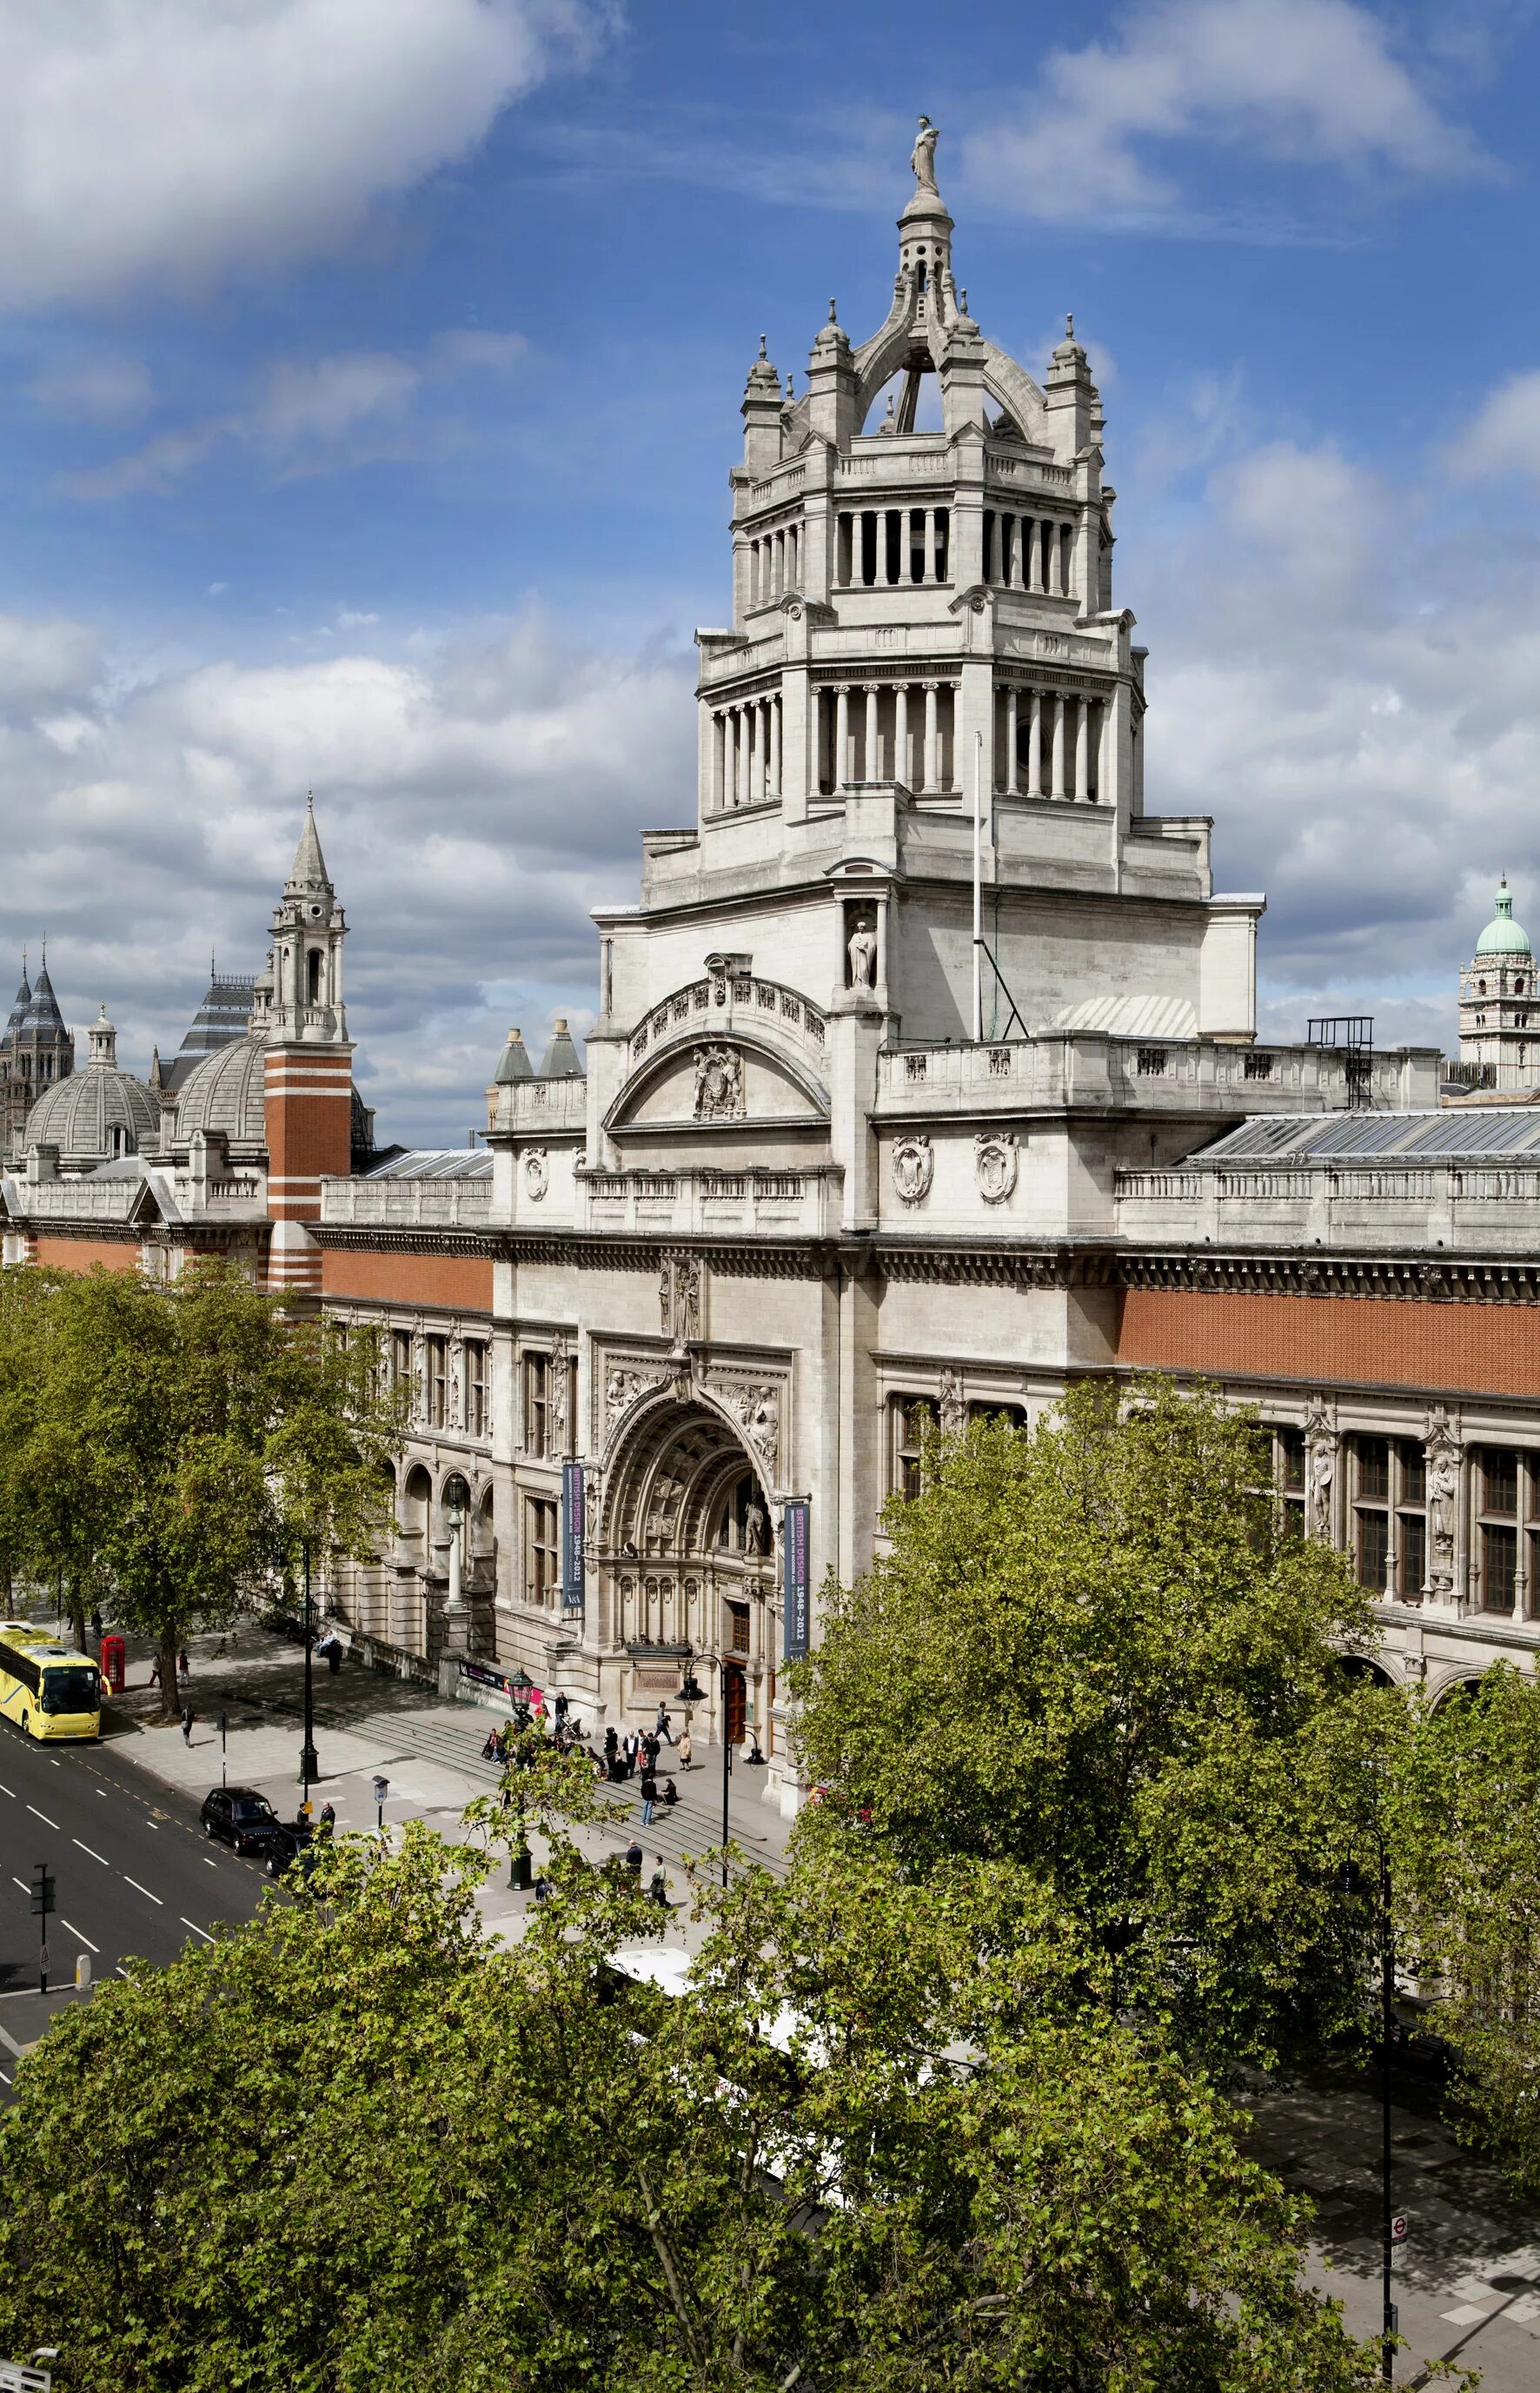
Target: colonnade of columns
[
  {"x": 882, "y": 731},
  {"x": 1028, "y": 553},
  {"x": 1049, "y": 745},
  {"x": 879, "y": 547},
  {"x": 746, "y": 759},
  {"x": 775, "y": 564}
]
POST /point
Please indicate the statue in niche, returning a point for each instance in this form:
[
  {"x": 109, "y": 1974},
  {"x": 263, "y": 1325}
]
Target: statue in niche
[
  {"x": 753, "y": 1525},
  {"x": 861, "y": 948},
  {"x": 1442, "y": 1451},
  {"x": 953, "y": 1406},
  {"x": 686, "y": 1298},
  {"x": 922, "y": 157},
  {"x": 457, "y": 1356},
  {"x": 560, "y": 1388}
]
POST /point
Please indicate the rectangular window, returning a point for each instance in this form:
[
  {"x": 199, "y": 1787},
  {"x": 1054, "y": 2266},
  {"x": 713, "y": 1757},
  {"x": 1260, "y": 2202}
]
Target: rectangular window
[
  {"x": 1289, "y": 1478},
  {"x": 1499, "y": 1482},
  {"x": 1373, "y": 1470},
  {"x": 1499, "y": 1567},
  {"x": 475, "y": 1389},
  {"x": 1374, "y": 1546},
  {"x": 541, "y": 1558},
  {"x": 1412, "y": 1559},
  {"x": 1414, "y": 1473},
  {"x": 909, "y": 1419},
  {"x": 400, "y": 1357},
  {"x": 738, "y": 1628},
  {"x": 439, "y": 1381},
  {"x": 537, "y": 1404},
  {"x": 1013, "y": 1416}
]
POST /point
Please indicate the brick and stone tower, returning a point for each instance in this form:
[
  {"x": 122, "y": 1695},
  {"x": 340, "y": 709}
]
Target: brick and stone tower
[{"x": 309, "y": 1065}]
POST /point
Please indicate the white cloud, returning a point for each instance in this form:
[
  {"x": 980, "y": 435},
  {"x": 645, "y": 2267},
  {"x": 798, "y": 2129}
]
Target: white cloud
[
  {"x": 170, "y": 141},
  {"x": 1299, "y": 82},
  {"x": 316, "y": 415},
  {"x": 1503, "y": 434},
  {"x": 44, "y": 661},
  {"x": 473, "y": 805},
  {"x": 104, "y": 388}
]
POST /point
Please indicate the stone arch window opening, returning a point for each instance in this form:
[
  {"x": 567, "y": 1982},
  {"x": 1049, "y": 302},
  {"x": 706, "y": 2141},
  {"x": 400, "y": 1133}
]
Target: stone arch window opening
[
  {"x": 313, "y": 963},
  {"x": 730, "y": 1529},
  {"x": 415, "y": 1508}
]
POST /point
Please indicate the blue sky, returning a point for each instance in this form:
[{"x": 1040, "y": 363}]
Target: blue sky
[{"x": 370, "y": 375}]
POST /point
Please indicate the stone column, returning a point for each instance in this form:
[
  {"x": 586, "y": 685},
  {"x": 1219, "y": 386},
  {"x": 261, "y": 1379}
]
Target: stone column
[
  {"x": 842, "y": 735},
  {"x": 756, "y": 754},
  {"x": 935, "y": 514},
  {"x": 1106, "y": 778},
  {"x": 1034, "y": 748},
  {"x": 932, "y": 741},
  {"x": 1037, "y": 576},
  {"x": 719, "y": 753},
  {"x": 1013, "y": 777},
  {"x": 1057, "y": 787},
  {"x": 729, "y": 756},
  {"x": 1061, "y": 559},
  {"x": 774, "y": 789},
  {"x": 901, "y": 734},
  {"x": 745, "y": 759},
  {"x": 1082, "y": 749},
  {"x": 871, "y": 762}
]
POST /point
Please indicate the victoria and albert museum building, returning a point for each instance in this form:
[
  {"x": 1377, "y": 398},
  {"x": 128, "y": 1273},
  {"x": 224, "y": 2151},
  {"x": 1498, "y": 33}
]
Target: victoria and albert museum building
[{"x": 925, "y": 1081}]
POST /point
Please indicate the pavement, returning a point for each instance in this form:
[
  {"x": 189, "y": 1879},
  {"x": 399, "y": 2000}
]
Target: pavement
[{"x": 117, "y": 1823}]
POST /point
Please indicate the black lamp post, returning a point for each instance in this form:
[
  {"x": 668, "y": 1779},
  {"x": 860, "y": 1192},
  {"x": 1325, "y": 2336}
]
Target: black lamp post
[
  {"x": 310, "y": 1766},
  {"x": 691, "y": 1691}
]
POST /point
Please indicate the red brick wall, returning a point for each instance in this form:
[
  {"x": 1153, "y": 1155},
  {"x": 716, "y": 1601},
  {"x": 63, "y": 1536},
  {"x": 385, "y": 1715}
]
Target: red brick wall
[
  {"x": 1487, "y": 1348},
  {"x": 83, "y": 1254},
  {"x": 463, "y": 1282}
]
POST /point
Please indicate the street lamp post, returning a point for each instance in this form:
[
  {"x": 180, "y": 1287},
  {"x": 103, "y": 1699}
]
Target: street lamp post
[
  {"x": 309, "y": 1766},
  {"x": 691, "y": 1691}
]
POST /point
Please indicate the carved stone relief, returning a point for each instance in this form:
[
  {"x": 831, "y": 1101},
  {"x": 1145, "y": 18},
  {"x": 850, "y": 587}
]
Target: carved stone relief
[
  {"x": 1320, "y": 1448},
  {"x": 561, "y": 1381},
  {"x": 913, "y": 1167},
  {"x": 952, "y": 1406},
  {"x": 680, "y": 1289},
  {"x": 995, "y": 1163},
  {"x": 623, "y": 1385},
  {"x": 1442, "y": 1449},
  {"x": 457, "y": 1380},
  {"x": 718, "y": 1084},
  {"x": 756, "y": 1408},
  {"x": 537, "y": 1173}
]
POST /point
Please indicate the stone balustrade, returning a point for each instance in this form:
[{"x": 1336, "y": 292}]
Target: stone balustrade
[
  {"x": 750, "y": 1202},
  {"x": 1457, "y": 1207},
  {"x": 409, "y": 1204},
  {"x": 540, "y": 1106},
  {"x": 1178, "y": 1075}
]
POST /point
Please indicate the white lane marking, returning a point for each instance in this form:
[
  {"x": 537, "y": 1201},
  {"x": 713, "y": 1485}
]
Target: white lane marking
[
  {"x": 42, "y": 1815},
  {"x": 153, "y": 1824},
  {"x": 8, "y": 1790},
  {"x": 102, "y": 1792},
  {"x": 77, "y": 1931},
  {"x": 2, "y": 2075},
  {"x": 208, "y": 1864},
  {"x": 121, "y": 1970},
  {"x": 196, "y": 1929},
  {"x": 142, "y": 1890},
  {"x": 22, "y": 1884},
  {"x": 87, "y": 1849}
]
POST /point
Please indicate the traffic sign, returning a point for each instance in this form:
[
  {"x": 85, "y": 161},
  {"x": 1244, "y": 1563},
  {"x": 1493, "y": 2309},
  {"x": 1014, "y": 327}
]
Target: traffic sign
[{"x": 1398, "y": 2230}]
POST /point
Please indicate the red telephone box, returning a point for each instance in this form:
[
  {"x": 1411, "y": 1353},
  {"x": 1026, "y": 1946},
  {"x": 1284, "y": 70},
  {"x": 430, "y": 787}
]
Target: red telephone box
[{"x": 115, "y": 1663}]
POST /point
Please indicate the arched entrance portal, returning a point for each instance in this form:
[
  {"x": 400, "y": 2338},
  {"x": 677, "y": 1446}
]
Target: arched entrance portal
[{"x": 686, "y": 1566}]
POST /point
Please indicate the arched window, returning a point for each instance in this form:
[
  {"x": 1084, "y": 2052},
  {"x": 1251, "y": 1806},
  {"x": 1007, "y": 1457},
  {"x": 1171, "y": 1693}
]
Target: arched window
[{"x": 315, "y": 966}]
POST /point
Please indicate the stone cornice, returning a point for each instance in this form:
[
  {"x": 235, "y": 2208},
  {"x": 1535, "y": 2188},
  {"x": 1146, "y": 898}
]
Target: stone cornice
[{"x": 1424, "y": 1278}]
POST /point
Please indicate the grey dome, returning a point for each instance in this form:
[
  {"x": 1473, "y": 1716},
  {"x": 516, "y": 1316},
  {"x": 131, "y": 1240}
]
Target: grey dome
[
  {"x": 93, "y": 1115},
  {"x": 223, "y": 1092}
]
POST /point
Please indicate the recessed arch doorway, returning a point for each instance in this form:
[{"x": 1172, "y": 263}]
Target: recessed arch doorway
[{"x": 687, "y": 1565}]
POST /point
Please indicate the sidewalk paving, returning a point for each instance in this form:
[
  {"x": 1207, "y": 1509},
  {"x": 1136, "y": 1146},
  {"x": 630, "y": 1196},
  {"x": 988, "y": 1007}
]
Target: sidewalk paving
[{"x": 368, "y": 1724}]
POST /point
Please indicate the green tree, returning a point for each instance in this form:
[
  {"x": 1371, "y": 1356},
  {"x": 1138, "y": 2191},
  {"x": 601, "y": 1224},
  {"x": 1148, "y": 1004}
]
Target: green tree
[
  {"x": 351, "y": 2144},
  {"x": 1095, "y": 1653},
  {"x": 187, "y": 1442}
]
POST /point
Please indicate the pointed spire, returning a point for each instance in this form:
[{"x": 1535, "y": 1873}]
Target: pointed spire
[
  {"x": 308, "y": 869},
  {"x": 18, "y": 1009},
  {"x": 562, "y": 1059},
  {"x": 513, "y": 1062}
]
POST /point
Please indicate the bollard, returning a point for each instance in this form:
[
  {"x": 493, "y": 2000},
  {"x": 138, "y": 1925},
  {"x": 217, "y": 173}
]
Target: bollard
[{"x": 83, "y": 1971}]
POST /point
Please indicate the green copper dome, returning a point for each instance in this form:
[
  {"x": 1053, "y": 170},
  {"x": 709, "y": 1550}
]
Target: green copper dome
[{"x": 1502, "y": 935}]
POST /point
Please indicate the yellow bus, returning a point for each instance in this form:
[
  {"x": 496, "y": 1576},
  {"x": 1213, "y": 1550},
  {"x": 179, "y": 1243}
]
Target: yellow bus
[{"x": 48, "y": 1690}]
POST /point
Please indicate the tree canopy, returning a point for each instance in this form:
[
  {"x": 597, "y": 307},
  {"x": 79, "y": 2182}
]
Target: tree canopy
[
  {"x": 180, "y": 1442},
  {"x": 352, "y": 2143},
  {"x": 1095, "y": 1653}
]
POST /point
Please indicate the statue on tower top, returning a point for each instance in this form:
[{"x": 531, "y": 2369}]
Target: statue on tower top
[{"x": 922, "y": 157}]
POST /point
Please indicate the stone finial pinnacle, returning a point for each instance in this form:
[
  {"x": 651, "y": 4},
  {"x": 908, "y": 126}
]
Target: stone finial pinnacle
[
  {"x": 762, "y": 348},
  {"x": 1069, "y": 326},
  {"x": 833, "y": 317}
]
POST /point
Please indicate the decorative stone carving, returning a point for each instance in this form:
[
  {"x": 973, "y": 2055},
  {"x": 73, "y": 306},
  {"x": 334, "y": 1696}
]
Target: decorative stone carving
[
  {"x": 757, "y": 1411},
  {"x": 623, "y": 1385},
  {"x": 537, "y": 1173},
  {"x": 922, "y": 157},
  {"x": 1321, "y": 1472},
  {"x": 913, "y": 1167},
  {"x": 861, "y": 948},
  {"x": 994, "y": 1165},
  {"x": 457, "y": 1378},
  {"x": 1442, "y": 1450},
  {"x": 561, "y": 1381},
  {"x": 592, "y": 1491},
  {"x": 718, "y": 1084},
  {"x": 952, "y": 1407},
  {"x": 754, "y": 1526},
  {"x": 419, "y": 1375},
  {"x": 680, "y": 1281}
]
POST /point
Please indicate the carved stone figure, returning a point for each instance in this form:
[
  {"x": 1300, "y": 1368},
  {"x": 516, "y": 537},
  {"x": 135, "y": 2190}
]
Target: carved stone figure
[
  {"x": 1320, "y": 1452},
  {"x": 537, "y": 1173},
  {"x": 952, "y": 1407},
  {"x": 718, "y": 1084},
  {"x": 457, "y": 1361},
  {"x": 754, "y": 1526},
  {"x": 913, "y": 1167},
  {"x": 419, "y": 1375},
  {"x": 1442, "y": 1448},
  {"x": 922, "y": 157},
  {"x": 561, "y": 1381},
  {"x": 862, "y": 950},
  {"x": 757, "y": 1411},
  {"x": 592, "y": 1485},
  {"x": 665, "y": 1296},
  {"x": 623, "y": 1386},
  {"x": 994, "y": 1160},
  {"x": 687, "y": 1297}
]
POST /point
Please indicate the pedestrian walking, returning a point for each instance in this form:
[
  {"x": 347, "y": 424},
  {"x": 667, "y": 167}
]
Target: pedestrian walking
[
  {"x": 561, "y": 1712},
  {"x": 187, "y": 1723},
  {"x": 649, "y": 1796},
  {"x": 96, "y": 1627},
  {"x": 328, "y": 1821},
  {"x": 662, "y": 1726},
  {"x": 181, "y": 1664},
  {"x": 634, "y": 1859},
  {"x": 649, "y": 1752},
  {"x": 658, "y": 1886},
  {"x": 686, "y": 1751}
]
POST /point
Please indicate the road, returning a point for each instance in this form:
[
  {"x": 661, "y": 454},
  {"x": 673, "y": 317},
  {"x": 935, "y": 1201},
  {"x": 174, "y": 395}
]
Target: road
[{"x": 133, "y": 1874}]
